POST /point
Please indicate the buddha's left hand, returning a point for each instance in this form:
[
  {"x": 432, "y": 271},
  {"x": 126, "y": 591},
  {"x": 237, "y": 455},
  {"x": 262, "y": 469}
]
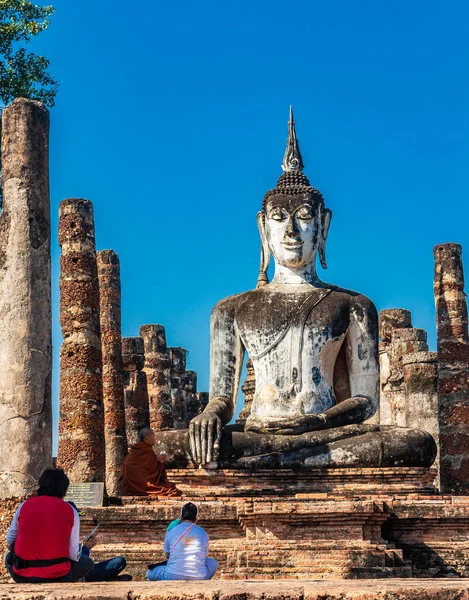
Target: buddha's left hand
[{"x": 291, "y": 426}]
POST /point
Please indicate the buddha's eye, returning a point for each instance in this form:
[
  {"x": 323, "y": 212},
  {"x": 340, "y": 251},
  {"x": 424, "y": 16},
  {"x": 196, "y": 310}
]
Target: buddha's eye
[
  {"x": 277, "y": 214},
  {"x": 305, "y": 213}
]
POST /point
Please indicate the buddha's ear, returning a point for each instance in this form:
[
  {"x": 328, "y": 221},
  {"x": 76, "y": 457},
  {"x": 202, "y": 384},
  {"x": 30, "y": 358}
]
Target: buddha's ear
[
  {"x": 265, "y": 251},
  {"x": 326, "y": 217}
]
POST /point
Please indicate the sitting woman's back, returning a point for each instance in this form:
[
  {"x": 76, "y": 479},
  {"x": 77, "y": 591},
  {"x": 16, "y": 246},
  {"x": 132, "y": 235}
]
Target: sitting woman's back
[{"x": 186, "y": 547}]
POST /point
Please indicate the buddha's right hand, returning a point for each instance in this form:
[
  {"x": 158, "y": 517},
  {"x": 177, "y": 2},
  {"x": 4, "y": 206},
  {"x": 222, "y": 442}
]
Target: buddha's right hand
[{"x": 204, "y": 438}]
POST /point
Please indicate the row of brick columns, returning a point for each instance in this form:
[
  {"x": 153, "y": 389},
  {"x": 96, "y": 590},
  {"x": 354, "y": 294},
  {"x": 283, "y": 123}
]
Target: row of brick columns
[{"x": 109, "y": 386}]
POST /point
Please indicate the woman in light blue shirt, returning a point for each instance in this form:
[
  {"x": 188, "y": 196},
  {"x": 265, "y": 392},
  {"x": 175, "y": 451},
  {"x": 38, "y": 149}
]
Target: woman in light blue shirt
[{"x": 186, "y": 548}]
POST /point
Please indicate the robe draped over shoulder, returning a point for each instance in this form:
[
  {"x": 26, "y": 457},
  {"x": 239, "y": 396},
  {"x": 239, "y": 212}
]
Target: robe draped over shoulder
[{"x": 144, "y": 475}]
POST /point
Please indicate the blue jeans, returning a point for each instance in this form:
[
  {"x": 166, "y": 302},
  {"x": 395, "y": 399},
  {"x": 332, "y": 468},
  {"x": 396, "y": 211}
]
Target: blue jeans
[
  {"x": 107, "y": 569},
  {"x": 160, "y": 574}
]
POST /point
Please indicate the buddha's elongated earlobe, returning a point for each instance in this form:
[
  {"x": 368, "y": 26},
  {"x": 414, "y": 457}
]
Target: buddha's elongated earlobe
[
  {"x": 265, "y": 252},
  {"x": 326, "y": 217}
]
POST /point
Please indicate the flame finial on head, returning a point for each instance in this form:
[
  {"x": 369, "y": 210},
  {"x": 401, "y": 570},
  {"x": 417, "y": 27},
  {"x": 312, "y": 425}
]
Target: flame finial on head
[{"x": 292, "y": 160}]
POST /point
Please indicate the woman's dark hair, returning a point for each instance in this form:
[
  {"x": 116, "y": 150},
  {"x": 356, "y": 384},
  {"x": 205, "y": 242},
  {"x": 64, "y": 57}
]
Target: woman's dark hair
[
  {"x": 53, "y": 482},
  {"x": 189, "y": 512}
]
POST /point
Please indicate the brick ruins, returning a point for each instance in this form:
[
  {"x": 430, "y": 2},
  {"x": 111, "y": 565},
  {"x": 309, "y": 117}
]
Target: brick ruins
[
  {"x": 81, "y": 422},
  {"x": 115, "y": 439},
  {"x": 284, "y": 523}
]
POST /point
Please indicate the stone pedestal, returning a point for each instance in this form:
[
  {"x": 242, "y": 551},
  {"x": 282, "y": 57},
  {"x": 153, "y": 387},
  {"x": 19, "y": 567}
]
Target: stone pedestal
[
  {"x": 453, "y": 368},
  {"x": 81, "y": 422},
  {"x": 113, "y": 377},
  {"x": 25, "y": 300}
]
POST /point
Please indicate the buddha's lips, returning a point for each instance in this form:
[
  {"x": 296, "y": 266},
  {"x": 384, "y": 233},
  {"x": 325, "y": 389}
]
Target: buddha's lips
[{"x": 292, "y": 245}]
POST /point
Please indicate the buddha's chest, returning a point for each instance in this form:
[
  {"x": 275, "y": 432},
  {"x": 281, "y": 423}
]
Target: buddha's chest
[{"x": 285, "y": 326}]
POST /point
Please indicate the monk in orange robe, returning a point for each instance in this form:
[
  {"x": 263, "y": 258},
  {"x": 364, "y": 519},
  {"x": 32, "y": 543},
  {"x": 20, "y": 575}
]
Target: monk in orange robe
[{"x": 142, "y": 473}]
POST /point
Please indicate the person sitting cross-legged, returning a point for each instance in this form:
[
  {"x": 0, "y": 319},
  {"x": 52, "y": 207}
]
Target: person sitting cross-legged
[
  {"x": 142, "y": 473},
  {"x": 106, "y": 570},
  {"x": 43, "y": 538},
  {"x": 186, "y": 548}
]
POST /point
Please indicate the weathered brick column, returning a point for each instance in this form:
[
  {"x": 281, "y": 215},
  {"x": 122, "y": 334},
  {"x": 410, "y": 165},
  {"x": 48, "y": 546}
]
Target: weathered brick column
[
  {"x": 453, "y": 368},
  {"x": 189, "y": 394},
  {"x": 113, "y": 376},
  {"x": 421, "y": 387},
  {"x": 157, "y": 369},
  {"x": 202, "y": 399},
  {"x": 248, "y": 388},
  {"x": 392, "y": 392},
  {"x": 25, "y": 302},
  {"x": 135, "y": 388},
  {"x": 81, "y": 422},
  {"x": 178, "y": 400}
]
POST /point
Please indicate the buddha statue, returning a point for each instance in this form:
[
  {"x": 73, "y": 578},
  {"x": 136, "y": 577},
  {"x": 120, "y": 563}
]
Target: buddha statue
[{"x": 314, "y": 348}]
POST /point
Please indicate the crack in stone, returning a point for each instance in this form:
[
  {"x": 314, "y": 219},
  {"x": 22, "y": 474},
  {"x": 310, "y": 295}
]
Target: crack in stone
[{"x": 25, "y": 417}]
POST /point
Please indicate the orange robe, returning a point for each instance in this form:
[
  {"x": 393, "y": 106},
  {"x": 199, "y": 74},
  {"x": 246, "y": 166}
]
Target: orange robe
[{"x": 144, "y": 475}]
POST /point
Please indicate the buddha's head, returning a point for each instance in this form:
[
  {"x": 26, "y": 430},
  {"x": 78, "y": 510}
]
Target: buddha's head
[{"x": 294, "y": 221}]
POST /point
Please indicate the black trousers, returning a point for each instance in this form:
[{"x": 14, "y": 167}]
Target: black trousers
[{"x": 78, "y": 570}]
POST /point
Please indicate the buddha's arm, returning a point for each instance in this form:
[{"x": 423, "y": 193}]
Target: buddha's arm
[
  {"x": 361, "y": 345},
  {"x": 226, "y": 360}
]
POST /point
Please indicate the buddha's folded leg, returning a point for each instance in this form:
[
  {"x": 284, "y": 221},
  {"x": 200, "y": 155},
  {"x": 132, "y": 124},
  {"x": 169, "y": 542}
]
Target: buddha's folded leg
[
  {"x": 172, "y": 446},
  {"x": 387, "y": 447},
  {"x": 237, "y": 444}
]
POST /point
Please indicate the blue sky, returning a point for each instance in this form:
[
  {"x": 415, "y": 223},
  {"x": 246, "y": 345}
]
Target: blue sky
[{"x": 172, "y": 119}]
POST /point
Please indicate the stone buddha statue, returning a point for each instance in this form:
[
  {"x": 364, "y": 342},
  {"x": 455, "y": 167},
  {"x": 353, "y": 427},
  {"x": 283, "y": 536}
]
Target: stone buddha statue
[{"x": 314, "y": 348}]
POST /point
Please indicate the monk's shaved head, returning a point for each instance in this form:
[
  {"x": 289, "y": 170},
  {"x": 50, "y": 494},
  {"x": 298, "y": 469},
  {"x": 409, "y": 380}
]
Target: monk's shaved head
[{"x": 144, "y": 433}]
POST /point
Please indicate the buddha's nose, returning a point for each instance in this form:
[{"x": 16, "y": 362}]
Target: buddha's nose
[{"x": 291, "y": 230}]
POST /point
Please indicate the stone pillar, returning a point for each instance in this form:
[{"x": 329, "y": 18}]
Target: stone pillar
[
  {"x": 421, "y": 383},
  {"x": 391, "y": 378},
  {"x": 189, "y": 393},
  {"x": 135, "y": 388},
  {"x": 178, "y": 369},
  {"x": 25, "y": 301},
  {"x": 248, "y": 388},
  {"x": 113, "y": 376},
  {"x": 157, "y": 369},
  {"x": 453, "y": 368},
  {"x": 202, "y": 400},
  {"x": 403, "y": 342},
  {"x": 81, "y": 422}
]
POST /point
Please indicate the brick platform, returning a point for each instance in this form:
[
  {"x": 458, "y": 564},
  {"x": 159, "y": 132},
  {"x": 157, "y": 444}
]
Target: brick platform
[
  {"x": 261, "y": 538},
  {"x": 408, "y": 589},
  {"x": 346, "y": 523},
  {"x": 363, "y": 524},
  {"x": 287, "y": 482}
]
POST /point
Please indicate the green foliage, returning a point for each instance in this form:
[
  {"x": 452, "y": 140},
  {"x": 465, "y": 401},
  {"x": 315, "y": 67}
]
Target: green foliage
[{"x": 22, "y": 73}]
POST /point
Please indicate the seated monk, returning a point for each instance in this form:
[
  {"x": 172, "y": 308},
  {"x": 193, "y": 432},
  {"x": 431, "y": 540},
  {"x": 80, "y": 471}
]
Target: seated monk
[{"x": 142, "y": 473}]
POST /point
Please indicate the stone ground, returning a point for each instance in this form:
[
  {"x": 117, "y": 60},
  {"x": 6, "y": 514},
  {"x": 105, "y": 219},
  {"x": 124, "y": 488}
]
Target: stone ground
[{"x": 396, "y": 589}]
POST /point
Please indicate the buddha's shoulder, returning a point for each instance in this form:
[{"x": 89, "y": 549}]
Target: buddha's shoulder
[
  {"x": 354, "y": 299},
  {"x": 271, "y": 295},
  {"x": 231, "y": 303}
]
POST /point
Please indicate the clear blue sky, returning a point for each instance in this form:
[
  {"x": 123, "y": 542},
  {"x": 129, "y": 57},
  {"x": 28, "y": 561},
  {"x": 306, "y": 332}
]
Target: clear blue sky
[{"x": 172, "y": 119}]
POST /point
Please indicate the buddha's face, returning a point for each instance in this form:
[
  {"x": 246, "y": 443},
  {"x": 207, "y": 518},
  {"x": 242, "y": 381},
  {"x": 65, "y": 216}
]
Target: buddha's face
[{"x": 292, "y": 229}]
